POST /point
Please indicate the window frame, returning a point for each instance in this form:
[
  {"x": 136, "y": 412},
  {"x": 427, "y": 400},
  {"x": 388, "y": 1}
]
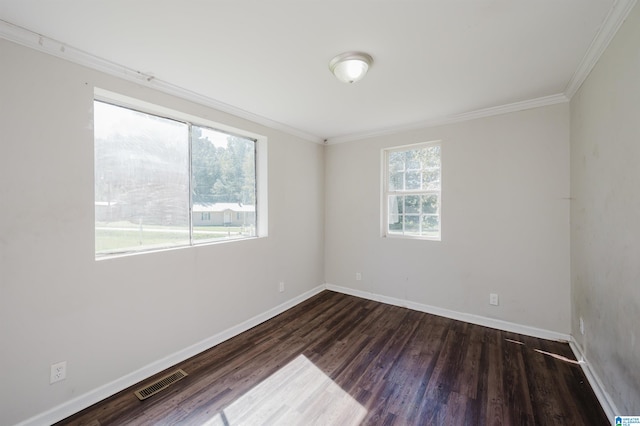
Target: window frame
[
  {"x": 260, "y": 164},
  {"x": 386, "y": 192}
]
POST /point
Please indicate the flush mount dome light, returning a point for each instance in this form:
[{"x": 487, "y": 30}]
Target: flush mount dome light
[{"x": 350, "y": 67}]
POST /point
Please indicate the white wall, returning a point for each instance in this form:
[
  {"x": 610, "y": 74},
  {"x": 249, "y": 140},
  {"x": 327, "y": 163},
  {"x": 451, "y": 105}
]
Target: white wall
[
  {"x": 505, "y": 220},
  {"x": 505, "y": 230},
  {"x": 109, "y": 318},
  {"x": 605, "y": 217}
]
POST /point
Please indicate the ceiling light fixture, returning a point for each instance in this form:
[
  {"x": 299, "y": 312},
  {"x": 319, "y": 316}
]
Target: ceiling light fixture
[{"x": 350, "y": 67}]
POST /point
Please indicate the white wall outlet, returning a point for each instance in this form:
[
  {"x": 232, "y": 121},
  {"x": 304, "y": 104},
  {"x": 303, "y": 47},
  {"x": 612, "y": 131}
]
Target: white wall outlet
[
  {"x": 58, "y": 372},
  {"x": 493, "y": 299},
  {"x": 281, "y": 286},
  {"x": 581, "y": 326},
  {"x": 358, "y": 276}
]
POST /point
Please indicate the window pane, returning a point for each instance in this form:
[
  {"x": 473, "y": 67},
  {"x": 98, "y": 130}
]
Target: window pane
[
  {"x": 430, "y": 204},
  {"x": 396, "y": 161},
  {"x": 224, "y": 185},
  {"x": 414, "y": 160},
  {"x": 396, "y": 181},
  {"x": 396, "y": 206},
  {"x": 430, "y": 225},
  {"x": 415, "y": 173},
  {"x": 395, "y": 217},
  {"x": 412, "y": 204},
  {"x": 432, "y": 156},
  {"x": 413, "y": 180},
  {"x": 412, "y": 224},
  {"x": 141, "y": 180},
  {"x": 431, "y": 179},
  {"x": 396, "y": 223}
]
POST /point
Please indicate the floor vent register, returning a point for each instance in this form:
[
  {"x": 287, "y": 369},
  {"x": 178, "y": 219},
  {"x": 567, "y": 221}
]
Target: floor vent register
[{"x": 160, "y": 384}]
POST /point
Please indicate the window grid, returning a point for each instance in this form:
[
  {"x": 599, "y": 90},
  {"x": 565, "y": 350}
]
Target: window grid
[{"x": 412, "y": 191}]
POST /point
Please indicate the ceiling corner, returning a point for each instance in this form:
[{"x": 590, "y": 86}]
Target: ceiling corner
[{"x": 608, "y": 29}]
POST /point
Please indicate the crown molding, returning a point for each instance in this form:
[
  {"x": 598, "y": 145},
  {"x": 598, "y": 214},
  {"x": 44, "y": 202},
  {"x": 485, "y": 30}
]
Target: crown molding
[
  {"x": 53, "y": 47},
  {"x": 608, "y": 29},
  {"x": 457, "y": 118},
  {"x": 611, "y": 24}
]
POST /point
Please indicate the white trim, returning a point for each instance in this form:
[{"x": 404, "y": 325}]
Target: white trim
[
  {"x": 75, "y": 405},
  {"x": 386, "y": 192},
  {"x": 262, "y": 187},
  {"x": 118, "y": 99},
  {"x": 603, "y": 397},
  {"x": 53, "y": 47},
  {"x": 457, "y": 118},
  {"x": 605, "y": 400},
  {"x": 609, "y": 28},
  {"x": 614, "y": 19},
  {"x": 460, "y": 316}
]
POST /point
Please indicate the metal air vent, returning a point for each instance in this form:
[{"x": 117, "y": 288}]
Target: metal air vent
[{"x": 160, "y": 384}]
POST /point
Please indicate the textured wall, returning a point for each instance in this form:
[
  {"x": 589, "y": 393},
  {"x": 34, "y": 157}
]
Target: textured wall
[{"x": 605, "y": 216}]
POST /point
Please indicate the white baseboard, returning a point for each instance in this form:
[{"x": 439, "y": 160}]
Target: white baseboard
[
  {"x": 75, "y": 405},
  {"x": 461, "y": 316},
  {"x": 86, "y": 400},
  {"x": 605, "y": 400}
]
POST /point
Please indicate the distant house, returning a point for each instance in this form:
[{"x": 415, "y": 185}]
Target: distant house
[
  {"x": 107, "y": 211},
  {"x": 224, "y": 214}
]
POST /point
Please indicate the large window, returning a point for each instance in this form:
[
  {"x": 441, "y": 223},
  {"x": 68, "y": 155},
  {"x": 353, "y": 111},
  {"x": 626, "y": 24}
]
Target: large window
[
  {"x": 162, "y": 182},
  {"x": 412, "y": 191}
]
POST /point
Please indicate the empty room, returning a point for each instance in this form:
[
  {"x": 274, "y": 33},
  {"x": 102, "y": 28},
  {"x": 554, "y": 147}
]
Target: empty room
[{"x": 335, "y": 213}]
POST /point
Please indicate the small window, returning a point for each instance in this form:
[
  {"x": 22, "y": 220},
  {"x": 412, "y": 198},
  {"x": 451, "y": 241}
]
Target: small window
[
  {"x": 163, "y": 182},
  {"x": 412, "y": 191}
]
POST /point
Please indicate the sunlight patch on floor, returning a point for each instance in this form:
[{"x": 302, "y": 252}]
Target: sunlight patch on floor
[
  {"x": 551, "y": 354},
  {"x": 298, "y": 393},
  {"x": 560, "y": 357}
]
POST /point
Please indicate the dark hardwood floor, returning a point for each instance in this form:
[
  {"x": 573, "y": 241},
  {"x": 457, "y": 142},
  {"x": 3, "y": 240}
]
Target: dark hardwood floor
[{"x": 338, "y": 359}]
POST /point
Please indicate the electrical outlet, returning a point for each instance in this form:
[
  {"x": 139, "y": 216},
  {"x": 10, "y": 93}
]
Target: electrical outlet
[
  {"x": 581, "y": 326},
  {"x": 281, "y": 286},
  {"x": 358, "y": 276},
  {"x": 493, "y": 299},
  {"x": 58, "y": 372}
]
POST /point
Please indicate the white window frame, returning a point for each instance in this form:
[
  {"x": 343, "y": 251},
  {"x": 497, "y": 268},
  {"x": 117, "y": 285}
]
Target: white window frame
[
  {"x": 261, "y": 173},
  {"x": 386, "y": 192}
]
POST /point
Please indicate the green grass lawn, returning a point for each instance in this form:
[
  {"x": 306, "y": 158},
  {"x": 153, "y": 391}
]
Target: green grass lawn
[{"x": 125, "y": 236}]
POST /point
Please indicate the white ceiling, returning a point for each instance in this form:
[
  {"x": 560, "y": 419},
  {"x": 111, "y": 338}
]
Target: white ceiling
[{"x": 432, "y": 58}]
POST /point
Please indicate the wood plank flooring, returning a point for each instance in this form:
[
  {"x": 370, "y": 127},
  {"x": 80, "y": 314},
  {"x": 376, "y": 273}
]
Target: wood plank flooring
[{"x": 341, "y": 360}]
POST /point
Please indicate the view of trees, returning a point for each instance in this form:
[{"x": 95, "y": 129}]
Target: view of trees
[
  {"x": 414, "y": 190},
  {"x": 142, "y": 167},
  {"x": 222, "y": 174}
]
